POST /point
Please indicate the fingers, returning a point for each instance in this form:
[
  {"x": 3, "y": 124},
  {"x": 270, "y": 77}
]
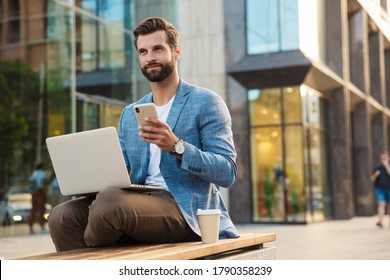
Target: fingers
[
  {"x": 164, "y": 142},
  {"x": 150, "y": 129},
  {"x": 151, "y": 123},
  {"x": 158, "y": 133}
]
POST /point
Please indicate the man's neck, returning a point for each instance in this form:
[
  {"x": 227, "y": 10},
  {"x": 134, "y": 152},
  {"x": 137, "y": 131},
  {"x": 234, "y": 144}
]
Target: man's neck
[{"x": 163, "y": 91}]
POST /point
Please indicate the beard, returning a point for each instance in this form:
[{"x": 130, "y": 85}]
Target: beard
[{"x": 158, "y": 76}]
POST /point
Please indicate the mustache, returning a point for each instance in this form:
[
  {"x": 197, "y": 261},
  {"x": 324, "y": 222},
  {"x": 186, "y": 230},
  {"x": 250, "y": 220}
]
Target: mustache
[{"x": 152, "y": 64}]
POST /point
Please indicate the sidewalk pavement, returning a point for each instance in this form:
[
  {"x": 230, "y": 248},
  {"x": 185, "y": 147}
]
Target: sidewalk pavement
[{"x": 354, "y": 239}]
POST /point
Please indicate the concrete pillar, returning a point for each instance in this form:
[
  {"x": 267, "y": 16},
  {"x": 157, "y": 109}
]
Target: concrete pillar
[
  {"x": 240, "y": 206},
  {"x": 362, "y": 164},
  {"x": 377, "y": 135},
  {"x": 340, "y": 155}
]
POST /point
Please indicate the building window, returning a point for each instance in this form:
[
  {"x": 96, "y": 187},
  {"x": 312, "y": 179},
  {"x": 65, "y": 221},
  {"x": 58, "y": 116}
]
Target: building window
[
  {"x": 103, "y": 46},
  {"x": 356, "y": 48},
  {"x": 384, "y": 4},
  {"x": 13, "y": 35},
  {"x": 288, "y": 154},
  {"x": 277, "y": 154},
  {"x": 13, "y": 8},
  {"x": 13, "y": 31},
  {"x": 317, "y": 189},
  {"x": 272, "y": 26}
]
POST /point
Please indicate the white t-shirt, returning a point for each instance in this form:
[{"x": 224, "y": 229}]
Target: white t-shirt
[{"x": 154, "y": 176}]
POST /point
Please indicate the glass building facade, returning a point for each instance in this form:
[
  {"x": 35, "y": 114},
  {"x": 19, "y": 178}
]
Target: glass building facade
[
  {"x": 288, "y": 154},
  {"x": 69, "y": 66},
  {"x": 305, "y": 81},
  {"x": 272, "y": 26},
  {"x": 315, "y": 75},
  {"x": 287, "y": 124}
]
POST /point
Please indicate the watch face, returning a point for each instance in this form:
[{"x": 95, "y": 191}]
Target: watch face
[{"x": 179, "y": 147}]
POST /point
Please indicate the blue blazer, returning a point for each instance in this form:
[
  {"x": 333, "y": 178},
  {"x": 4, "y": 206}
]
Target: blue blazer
[{"x": 201, "y": 118}]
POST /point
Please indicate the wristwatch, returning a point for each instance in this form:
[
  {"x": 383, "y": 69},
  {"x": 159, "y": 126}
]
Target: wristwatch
[{"x": 178, "y": 148}]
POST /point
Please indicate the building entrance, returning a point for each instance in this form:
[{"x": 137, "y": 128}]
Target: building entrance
[{"x": 288, "y": 158}]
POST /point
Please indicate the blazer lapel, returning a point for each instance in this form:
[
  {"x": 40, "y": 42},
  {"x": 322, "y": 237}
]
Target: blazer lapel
[{"x": 178, "y": 103}]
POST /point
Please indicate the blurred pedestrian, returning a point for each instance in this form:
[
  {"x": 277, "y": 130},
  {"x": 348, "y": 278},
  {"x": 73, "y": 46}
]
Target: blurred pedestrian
[
  {"x": 381, "y": 179},
  {"x": 38, "y": 183}
]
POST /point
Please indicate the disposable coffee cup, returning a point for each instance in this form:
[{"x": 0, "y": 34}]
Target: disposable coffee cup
[{"x": 209, "y": 224}]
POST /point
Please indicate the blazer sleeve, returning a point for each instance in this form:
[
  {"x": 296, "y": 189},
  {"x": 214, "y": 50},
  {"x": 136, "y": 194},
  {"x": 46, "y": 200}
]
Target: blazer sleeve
[{"x": 215, "y": 158}]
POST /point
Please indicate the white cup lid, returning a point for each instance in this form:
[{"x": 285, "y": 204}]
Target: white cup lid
[{"x": 209, "y": 212}]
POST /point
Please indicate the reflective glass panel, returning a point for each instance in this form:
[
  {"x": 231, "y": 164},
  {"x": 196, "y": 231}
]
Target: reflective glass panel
[
  {"x": 294, "y": 162},
  {"x": 292, "y": 109},
  {"x": 317, "y": 193},
  {"x": 65, "y": 66},
  {"x": 265, "y": 106},
  {"x": 267, "y": 174},
  {"x": 103, "y": 39},
  {"x": 272, "y": 26}
]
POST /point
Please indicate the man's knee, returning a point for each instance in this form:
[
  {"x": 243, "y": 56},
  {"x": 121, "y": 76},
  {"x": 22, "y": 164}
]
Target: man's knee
[
  {"x": 64, "y": 214},
  {"x": 55, "y": 216},
  {"x": 103, "y": 211}
]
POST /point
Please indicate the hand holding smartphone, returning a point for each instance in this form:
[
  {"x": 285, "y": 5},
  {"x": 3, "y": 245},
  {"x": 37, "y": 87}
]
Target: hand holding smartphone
[{"x": 142, "y": 111}]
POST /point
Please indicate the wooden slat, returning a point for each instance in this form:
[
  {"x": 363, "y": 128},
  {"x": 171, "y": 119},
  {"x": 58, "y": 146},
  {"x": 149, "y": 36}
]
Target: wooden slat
[{"x": 167, "y": 251}]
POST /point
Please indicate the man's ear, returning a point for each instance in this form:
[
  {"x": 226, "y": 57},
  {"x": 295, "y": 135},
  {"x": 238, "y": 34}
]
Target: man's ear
[{"x": 177, "y": 52}]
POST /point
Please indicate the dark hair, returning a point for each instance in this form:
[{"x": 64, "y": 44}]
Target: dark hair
[
  {"x": 39, "y": 165},
  {"x": 153, "y": 24}
]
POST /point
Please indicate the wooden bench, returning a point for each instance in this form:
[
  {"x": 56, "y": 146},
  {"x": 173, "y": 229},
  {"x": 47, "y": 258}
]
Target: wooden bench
[{"x": 247, "y": 246}]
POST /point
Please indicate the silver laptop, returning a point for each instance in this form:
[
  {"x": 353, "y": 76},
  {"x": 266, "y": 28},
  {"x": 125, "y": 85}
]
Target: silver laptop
[{"x": 90, "y": 161}]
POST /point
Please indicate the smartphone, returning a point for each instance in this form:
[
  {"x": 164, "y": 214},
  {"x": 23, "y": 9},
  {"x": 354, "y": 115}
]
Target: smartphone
[{"x": 145, "y": 110}]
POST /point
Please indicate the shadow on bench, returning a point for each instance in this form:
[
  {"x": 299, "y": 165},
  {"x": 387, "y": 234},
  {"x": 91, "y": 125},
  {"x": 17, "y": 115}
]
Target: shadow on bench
[{"x": 248, "y": 246}]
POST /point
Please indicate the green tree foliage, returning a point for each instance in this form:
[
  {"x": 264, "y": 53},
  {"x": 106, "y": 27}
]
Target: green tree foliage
[
  {"x": 13, "y": 126},
  {"x": 19, "y": 95},
  {"x": 21, "y": 80}
]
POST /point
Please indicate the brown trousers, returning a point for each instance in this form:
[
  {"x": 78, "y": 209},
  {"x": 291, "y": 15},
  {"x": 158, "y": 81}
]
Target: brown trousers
[
  {"x": 38, "y": 208},
  {"x": 116, "y": 215}
]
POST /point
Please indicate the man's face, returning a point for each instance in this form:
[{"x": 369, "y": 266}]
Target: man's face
[{"x": 155, "y": 57}]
